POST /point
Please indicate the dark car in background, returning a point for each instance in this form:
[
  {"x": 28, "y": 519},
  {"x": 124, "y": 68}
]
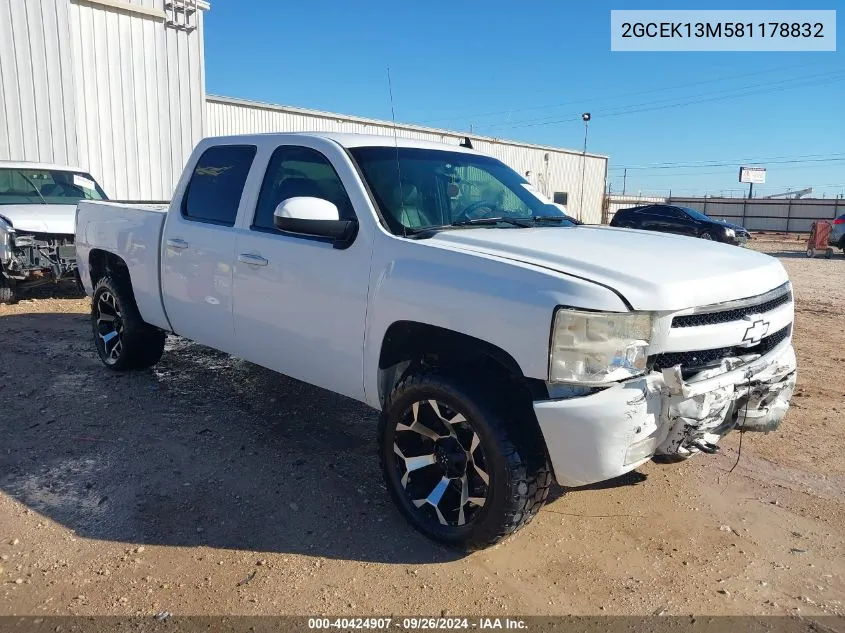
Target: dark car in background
[
  {"x": 837, "y": 233},
  {"x": 667, "y": 218}
]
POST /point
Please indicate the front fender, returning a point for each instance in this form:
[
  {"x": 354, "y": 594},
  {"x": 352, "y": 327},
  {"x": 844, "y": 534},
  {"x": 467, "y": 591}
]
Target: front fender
[
  {"x": 507, "y": 304},
  {"x": 7, "y": 238}
]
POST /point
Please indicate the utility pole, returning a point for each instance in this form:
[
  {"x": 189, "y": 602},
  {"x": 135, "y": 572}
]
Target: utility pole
[
  {"x": 586, "y": 119},
  {"x": 624, "y": 180}
]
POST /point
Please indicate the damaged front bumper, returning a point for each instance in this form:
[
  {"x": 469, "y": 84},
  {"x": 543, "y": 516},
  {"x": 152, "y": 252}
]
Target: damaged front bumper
[
  {"x": 34, "y": 258},
  {"x": 605, "y": 434}
]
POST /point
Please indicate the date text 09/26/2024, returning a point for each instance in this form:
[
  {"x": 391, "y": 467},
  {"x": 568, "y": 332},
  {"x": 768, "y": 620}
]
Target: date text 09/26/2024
[{"x": 417, "y": 623}]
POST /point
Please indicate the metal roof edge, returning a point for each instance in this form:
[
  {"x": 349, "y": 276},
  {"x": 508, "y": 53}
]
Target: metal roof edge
[
  {"x": 137, "y": 9},
  {"x": 260, "y": 105}
]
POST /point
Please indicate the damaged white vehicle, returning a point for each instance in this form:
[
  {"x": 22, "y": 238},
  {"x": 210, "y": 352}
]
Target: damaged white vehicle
[
  {"x": 503, "y": 344},
  {"x": 37, "y": 212}
]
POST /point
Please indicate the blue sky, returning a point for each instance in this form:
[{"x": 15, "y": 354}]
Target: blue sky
[{"x": 527, "y": 70}]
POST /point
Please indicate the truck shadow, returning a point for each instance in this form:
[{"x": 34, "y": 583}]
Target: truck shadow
[
  {"x": 202, "y": 450},
  {"x": 632, "y": 478},
  {"x": 63, "y": 290}
]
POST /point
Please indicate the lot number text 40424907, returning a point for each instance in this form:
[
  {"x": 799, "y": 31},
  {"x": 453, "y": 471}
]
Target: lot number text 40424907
[{"x": 417, "y": 623}]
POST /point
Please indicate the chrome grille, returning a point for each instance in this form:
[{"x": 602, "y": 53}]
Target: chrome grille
[
  {"x": 726, "y": 316},
  {"x": 696, "y": 360}
]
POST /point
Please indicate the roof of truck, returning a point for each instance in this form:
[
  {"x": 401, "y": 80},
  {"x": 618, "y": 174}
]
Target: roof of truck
[
  {"x": 11, "y": 164},
  {"x": 348, "y": 140}
]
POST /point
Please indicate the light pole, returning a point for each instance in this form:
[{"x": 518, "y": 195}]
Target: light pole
[{"x": 586, "y": 119}]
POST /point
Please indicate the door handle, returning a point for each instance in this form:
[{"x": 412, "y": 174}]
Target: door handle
[
  {"x": 177, "y": 243},
  {"x": 252, "y": 260}
]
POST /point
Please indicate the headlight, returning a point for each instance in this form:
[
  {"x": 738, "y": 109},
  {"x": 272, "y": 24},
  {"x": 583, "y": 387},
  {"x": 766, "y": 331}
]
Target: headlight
[
  {"x": 598, "y": 347},
  {"x": 730, "y": 232}
]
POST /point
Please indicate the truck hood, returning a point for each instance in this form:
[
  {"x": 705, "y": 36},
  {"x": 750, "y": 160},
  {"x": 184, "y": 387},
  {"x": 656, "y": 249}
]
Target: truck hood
[
  {"x": 41, "y": 218},
  {"x": 652, "y": 271}
]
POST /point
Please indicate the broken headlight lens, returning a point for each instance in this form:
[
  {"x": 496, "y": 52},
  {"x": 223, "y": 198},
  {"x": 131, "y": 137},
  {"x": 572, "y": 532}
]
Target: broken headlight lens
[{"x": 596, "y": 348}]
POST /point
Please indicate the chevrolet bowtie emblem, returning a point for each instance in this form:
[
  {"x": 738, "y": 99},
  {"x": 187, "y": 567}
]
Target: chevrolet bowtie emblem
[{"x": 756, "y": 331}]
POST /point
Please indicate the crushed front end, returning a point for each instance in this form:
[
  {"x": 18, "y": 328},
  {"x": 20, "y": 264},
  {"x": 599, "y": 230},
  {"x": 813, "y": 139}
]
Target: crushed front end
[
  {"x": 711, "y": 370},
  {"x": 28, "y": 259}
]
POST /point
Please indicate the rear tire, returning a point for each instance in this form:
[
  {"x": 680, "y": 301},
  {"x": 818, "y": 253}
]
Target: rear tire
[
  {"x": 122, "y": 339},
  {"x": 465, "y": 466}
]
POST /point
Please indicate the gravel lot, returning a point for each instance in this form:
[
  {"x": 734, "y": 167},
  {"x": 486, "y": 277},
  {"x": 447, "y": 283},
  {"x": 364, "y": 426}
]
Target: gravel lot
[{"x": 211, "y": 486}]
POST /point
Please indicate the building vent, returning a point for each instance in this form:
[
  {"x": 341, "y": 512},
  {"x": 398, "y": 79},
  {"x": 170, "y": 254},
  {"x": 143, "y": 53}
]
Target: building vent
[{"x": 181, "y": 14}]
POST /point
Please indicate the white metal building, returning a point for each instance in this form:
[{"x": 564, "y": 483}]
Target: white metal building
[
  {"x": 550, "y": 169},
  {"x": 117, "y": 87}
]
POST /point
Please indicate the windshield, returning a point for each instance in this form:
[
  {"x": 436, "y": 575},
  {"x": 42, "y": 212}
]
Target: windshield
[
  {"x": 695, "y": 215},
  {"x": 47, "y": 186},
  {"x": 443, "y": 189}
]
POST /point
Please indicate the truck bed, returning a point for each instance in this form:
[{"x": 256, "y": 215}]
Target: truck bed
[{"x": 133, "y": 233}]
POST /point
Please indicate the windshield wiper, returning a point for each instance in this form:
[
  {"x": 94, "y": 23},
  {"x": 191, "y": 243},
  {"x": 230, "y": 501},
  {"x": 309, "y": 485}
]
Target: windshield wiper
[
  {"x": 522, "y": 223},
  {"x": 32, "y": 184},
  {"x": 556, "y": 218}
]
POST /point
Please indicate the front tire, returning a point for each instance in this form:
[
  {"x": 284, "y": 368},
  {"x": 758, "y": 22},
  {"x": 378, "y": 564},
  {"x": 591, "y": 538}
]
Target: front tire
[
  {"x": 122, "y": 338},
  {"x": 465, "y": 466},
  {"x": 706, "y": 236}
]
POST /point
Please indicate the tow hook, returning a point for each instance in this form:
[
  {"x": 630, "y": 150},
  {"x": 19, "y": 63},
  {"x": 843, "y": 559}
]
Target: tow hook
[{"x": 706, "y": 447}]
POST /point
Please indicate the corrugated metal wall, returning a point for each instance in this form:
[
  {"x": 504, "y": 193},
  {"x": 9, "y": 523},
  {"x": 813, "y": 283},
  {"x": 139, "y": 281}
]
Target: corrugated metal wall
[
  {"x": 614, "y": 203},
  {"x": 140, "y": 98},
  {"x": 37, "y": 108},
  {"x": 562, "y": 172},
  {"x": 790, "y": 216},
  {"x": 114, "y": 90},
  {"x": 111, "y": 90}
]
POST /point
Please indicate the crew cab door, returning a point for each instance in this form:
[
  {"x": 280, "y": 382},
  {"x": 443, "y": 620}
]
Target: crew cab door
[
  {"x": 299, "y": 302},
  {"x": 198, "y": 247}
]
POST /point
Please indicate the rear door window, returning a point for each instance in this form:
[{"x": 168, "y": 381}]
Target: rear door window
[{"x": 217, "y": 183}]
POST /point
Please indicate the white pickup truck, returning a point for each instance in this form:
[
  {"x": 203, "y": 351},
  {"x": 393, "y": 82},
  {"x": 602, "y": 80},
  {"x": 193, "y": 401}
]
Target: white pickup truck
[{"x": 504, "y": 345}]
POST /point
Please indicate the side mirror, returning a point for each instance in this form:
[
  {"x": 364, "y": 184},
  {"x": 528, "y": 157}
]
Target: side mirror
[{"x": 314, "y": 217}]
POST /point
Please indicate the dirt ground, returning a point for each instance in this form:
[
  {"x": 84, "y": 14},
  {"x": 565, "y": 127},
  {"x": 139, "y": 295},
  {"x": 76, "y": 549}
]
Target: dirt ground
[{"x": 211, "y": 486}]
